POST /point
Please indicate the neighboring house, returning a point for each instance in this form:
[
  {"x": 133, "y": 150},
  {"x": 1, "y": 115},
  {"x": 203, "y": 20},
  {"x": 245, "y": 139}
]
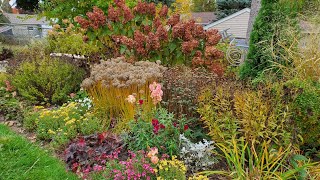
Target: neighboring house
[
  {"x": 204, "y": 18},
  {"x": 237, "y": 24},
  {"x": 23, "y": 25}
]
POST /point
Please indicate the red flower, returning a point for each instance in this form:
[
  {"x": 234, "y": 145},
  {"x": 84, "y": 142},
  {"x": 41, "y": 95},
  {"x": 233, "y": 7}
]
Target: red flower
[
  {"x": 186, "y": 127},
  {"x": 175, "y": 124},
  {"x": 155, "y": 122},
  {"x": 140, "y": 101},
  {"x": 162, "y": 126}
]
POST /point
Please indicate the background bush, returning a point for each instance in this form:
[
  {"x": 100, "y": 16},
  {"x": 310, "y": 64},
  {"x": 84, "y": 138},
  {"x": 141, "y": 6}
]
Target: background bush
[
  {"x": 271, "y": 26},
  {"x": 306, "y": 108},
  {"x": 47, "y": 80}
]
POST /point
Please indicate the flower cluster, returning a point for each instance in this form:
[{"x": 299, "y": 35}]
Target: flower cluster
[
  {"x": 121, "y": 10},
  {"x": 157, "y": 126},
  {"x": 96, "y": 19},
  {"x": 152, "y": 154},
  {"x": 145, "y": 8},
  {"x": 137, "y": 166},
  {"x": 163, "y": 36},
  {"x": 64, "y": 123},
  {"x": 156, "y": 92},
  {"x": 197, "y": 156},
  {"x": 171, "y": 169},
  {"x": 118, "y": 73}
]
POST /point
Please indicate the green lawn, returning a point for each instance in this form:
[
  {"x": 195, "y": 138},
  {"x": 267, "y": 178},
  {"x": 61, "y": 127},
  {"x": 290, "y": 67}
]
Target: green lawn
[{"x": 20, "y": 159}]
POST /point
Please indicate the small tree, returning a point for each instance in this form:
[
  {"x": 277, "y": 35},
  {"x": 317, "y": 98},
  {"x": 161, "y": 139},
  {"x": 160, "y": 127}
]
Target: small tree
[
  {"x": 5, "y": 6},
  {"x": 204, "y": 5},
  {"x": 227, "y": 7}
]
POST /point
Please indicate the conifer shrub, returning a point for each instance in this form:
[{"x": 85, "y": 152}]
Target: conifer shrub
[{"x": 271, "y": 26}]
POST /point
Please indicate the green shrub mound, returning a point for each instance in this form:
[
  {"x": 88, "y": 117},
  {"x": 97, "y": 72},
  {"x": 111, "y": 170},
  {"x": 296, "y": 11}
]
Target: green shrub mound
[
  {"x": 47, "y": 80},
  {"x": 306, "y": 108},
  {"x": 270, "y": 35}
]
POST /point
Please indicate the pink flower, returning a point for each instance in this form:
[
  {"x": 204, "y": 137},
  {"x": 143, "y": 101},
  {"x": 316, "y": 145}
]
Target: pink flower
[
  {"x": 152, "y": 152},
  {"x": 97, "y": 168},
  {"x": 154, "y": 159},
  {"x": 156, "y": 92},
  {"x": 186, "y": 127}
]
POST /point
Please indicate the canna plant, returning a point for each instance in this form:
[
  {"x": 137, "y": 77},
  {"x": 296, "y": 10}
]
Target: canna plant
[{"x": 145, "y": 33}]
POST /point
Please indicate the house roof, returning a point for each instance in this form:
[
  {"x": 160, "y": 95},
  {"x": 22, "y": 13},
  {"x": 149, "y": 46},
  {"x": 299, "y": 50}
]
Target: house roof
[
  {"x": 24, "y": 19},
  {"x": 4, "y": 28},
  {"x": 204, "y": 17},
  {"x": 246, "y": 10}
]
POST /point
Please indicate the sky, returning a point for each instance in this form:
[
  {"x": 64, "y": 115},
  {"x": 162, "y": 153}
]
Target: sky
[{"x": 12, "y": 2}]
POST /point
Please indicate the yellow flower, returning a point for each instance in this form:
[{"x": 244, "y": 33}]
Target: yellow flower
[{"x": 51, "y": 132}]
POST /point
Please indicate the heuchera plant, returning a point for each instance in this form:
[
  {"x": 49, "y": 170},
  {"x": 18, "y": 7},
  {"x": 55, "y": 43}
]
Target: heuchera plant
[
  {"x": 145, "y": 33},
  {"x": 90, "y": 153}
]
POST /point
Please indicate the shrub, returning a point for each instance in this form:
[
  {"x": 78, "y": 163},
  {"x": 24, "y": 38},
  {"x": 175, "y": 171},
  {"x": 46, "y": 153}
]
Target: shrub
[
  {"x": 47, "y": 80},
  {"x": 61, "y": 124},
  {"x": 197, "y": 156},
  {"x": 255, "y": 115},
  {"x": 171, "y": 169},
  {"x": 162, "y": 132},
  {"x": 182, "y": 87},
  {"x": 113, "y": 81},
  {"x": 142, "y": 33},
  {"x": 5, "y": 54},
  {"x": 228, "y": 7},
  {"x": 10, "y": 106},
  {"x": 306, "y": 108},
  {"x": 70, "y": 41},
  {"x": 88, "y": 153},
  {"x": 271, "y": 26}
]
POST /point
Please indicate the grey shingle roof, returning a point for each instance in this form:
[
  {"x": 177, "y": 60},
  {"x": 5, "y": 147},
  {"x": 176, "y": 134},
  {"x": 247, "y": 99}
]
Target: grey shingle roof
[{"x": 24, "y": 19}]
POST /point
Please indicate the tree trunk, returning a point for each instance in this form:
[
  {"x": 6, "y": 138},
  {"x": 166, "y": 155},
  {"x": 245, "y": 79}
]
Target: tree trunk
[{"x": 255, "y": 7}]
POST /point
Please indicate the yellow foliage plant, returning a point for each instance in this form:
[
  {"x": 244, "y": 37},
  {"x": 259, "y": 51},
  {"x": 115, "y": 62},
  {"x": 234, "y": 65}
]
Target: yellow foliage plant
[
  {"x": 256, "y": 116},
  {"x": 117, "y": 110},
  {"x": 182, "y": 7},
  {"x": 119, "y": 90},
  {"x": 171, "y": 169}
]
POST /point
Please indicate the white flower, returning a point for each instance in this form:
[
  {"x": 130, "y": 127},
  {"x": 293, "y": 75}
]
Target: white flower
[{"x": 131, "y": 99}]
